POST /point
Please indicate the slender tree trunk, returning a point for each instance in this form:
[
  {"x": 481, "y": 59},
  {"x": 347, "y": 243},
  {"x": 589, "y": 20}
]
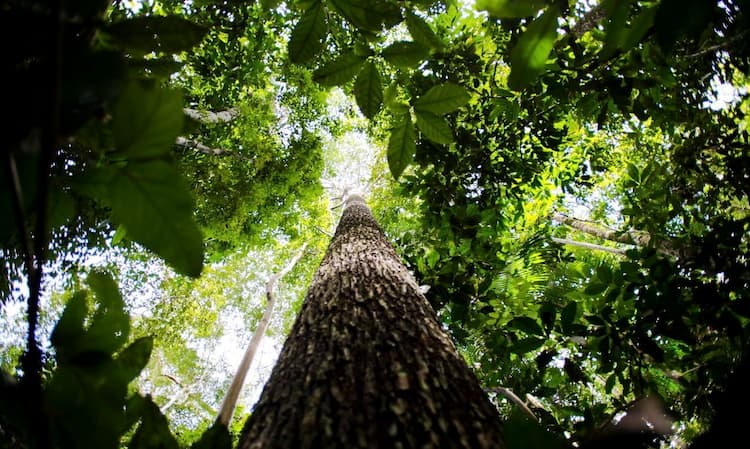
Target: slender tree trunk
[
  {"x": 587, "y": 245},
  {"x": 368, "y": 364},
  {"x": 194, "y": 144},
  {"x": 230, "y": 401}
]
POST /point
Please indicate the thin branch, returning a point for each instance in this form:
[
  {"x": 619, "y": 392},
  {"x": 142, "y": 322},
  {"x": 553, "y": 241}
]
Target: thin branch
[
  {"x": 230, "y": 401},
  {"x": 323, "y": 231},
  {"x": 515, "y": 399},
  {"x": 717, "y": 47},
  {"x": 195, "y": 145},
  {"x": 209, "y": 117},
  {"x": 618, "y": 251},
  {"x": 19, "y": 213}
]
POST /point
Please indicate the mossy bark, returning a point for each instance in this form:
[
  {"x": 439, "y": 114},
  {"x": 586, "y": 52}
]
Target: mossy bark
[{"x": 367, "y": 363}]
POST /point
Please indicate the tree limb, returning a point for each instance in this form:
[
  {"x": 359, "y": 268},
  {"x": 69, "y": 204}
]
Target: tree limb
[
  {"x": 209, "y": 117},
  {"x": 230, "y": 401},
  {"x": 515, "y": 399},
  {"x": 618, "y": 251},
  {"x": 194, "y": 144}
]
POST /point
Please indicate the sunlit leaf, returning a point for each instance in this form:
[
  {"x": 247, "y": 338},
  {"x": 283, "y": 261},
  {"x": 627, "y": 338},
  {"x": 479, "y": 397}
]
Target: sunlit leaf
[
  {"x": 308, "y": 36},
  {"x": 152, "y": 202},
  {"x": 339, "y": 71},
  {"x": 529, "y": 56},
  {"x": 368, "y": 90},
  {"x": 169, "y": 34},
  {"x": 146, "y": 121},
  {"x": 421, "y": 31},
  {"x": 401, "y": 145},
  {"x": 405, "y": 54},
  {"x": 509, "y": 9},
  {"x": 434, "y": 127},
  {"x": 442, "y": 99}
]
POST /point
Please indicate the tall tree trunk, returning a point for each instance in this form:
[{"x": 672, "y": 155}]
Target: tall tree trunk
[{"x": 368, "y": 364}]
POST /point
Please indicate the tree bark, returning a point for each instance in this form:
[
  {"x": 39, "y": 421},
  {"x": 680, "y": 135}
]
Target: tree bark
[
  {"x": 592, "y": 246},
  {"x": 367, "y": 363},
  {"x": 194, "y": 144}
]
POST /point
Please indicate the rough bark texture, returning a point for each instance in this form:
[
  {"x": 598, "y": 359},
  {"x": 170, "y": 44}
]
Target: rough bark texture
[{"x": 367, "y": 363}]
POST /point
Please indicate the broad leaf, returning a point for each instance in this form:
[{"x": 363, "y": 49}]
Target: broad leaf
[
  {"x": 70, "y": 328},
  {"x": 405, "y": 54},
  {"x": 401, "y": 146},
  {"x": 146, "y": 121},
  {"x": 368, "y": 90},
  {"x": 215, "y": 437},
  {"x": 369, "y": 15},
  {"x": 153, "y": 432},
  {"x": 146, "y": 34},
  {"x": 421, "y": 31},
  {"x": 434, "y": 127},
  {"x": 443, "y": 99},
  {"x": 510, "y": 9},
  {"x": 527, "y": 325},
  {"x": 339, "y": 71},
  {"x": 528, "y": 344},
  {"x": 110, "y": 325},
  {"x": 529, "y": 56},
  {"x": 133, "y": 359},
  {"x": 308, "y": 36},
  {"x": 156, "y": 208}
]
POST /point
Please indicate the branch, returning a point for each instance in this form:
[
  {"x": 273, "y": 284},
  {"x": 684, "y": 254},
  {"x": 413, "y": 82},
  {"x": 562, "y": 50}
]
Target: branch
[
  {"x": 195, "y": 145},
  {"x": 208, "y": 117},
  {"x": 230, "y": 401},
  {"x": 632, "y": 237},
  {"x": 618, "y": 251},
  {"x": 588, "y": 21},
  {"x": 515, "y": 399}
]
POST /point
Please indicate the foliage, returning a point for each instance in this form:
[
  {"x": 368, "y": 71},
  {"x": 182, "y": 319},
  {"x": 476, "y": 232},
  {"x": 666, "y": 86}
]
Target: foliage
[{"x": 492, "y": 122}]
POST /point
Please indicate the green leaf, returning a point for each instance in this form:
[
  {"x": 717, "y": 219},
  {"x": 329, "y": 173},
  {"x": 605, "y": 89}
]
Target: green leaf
[
  {"x": 368, "y": 90},
  {"x": 640, "y": 25},
  {"x": 604, "y": 273},
  {"x": 153, "y": 433},
  {"x": 69, "y": 327},
  {"x": 443, "y": 99},
  {"x": 568, "y": 315},
  {"x": 215, "y": 437},
  {"x": 308, "y": 36},
  {"x": 595, "y": 287},
  {"x": 159, "y": 67},
  {"x": 434, "y": 127},
  {"x": 401, "y": 146},
  {"x": 526, "y": 345},
  {"x": 511, "y": 9},
  {"x": 156, "y": 208},
  {"x": 146, "y": 34},
  {"x": 421, "y": 31},
  {"x": 529, "y": 56},
  {"x": 521, "y": 432},
  {"x": 146, "y": 121},
  {"x": 527, "y": 325},
  {"x": 110, "y": 325},
  {"x": 405, "y": 54},
  {"x": 339, "y": 71},
  {"x": 133, "y": 359},
  {"x": 369, "y": 15}
]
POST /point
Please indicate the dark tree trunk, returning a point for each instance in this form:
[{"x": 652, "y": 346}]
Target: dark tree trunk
[{"x": 367, "y": 363}]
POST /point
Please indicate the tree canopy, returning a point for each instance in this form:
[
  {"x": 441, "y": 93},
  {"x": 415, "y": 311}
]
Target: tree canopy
[{"x": 569, "y": 180}]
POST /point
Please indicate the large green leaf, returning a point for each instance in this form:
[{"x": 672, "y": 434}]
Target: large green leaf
[
  {"x": 434, "y": 127},
  {"x": 442, "y": 99},
  {"x": 308, "y": 36},
  {"x": 369, "y": 15},
  {"x": 405, "y": 53},
  {"x": 401, "y": 145},
  {"x": 146, "y": 121},
  {"x": 509, "y": 9},
  {"x": 527, "y": 325},
  {"x": 153, "y": 432},
  {"x": 110, "y": 325},
  {"x": 529, "y": 56},
  {"x": 156, "y": 208},
  {"x": 70, "y": 327},
  {"x": 146, "y": 34},
  {"x": 132, "y": 360},
  {"x": 368, "y": 90},
  {"x": 339, "y": 71},
  {"x": 421, "y": 31}
]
